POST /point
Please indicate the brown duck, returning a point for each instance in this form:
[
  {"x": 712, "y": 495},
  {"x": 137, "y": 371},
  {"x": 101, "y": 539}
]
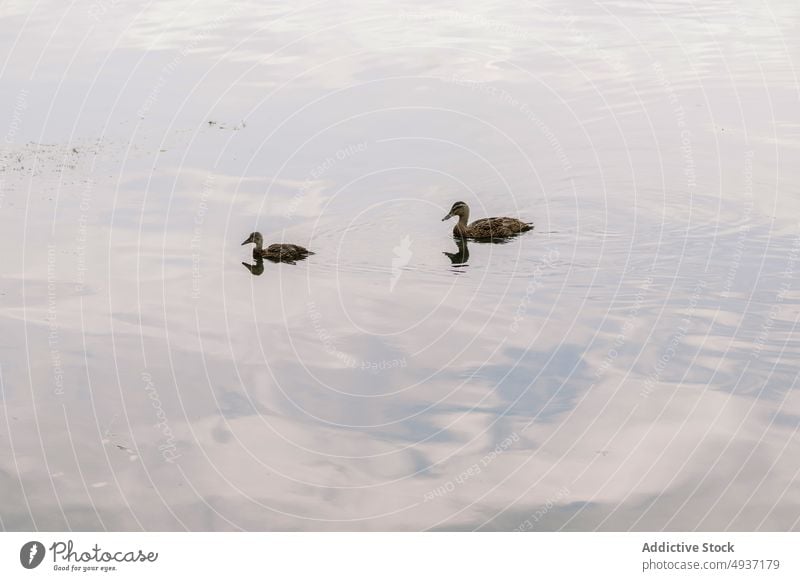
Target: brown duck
[
  {"x": 289, "y": 253},
  {"x": 486, "y": 228}
]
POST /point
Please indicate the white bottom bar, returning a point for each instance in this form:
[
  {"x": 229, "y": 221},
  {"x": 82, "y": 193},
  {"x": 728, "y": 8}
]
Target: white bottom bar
[{"x": 401, "y": 556}]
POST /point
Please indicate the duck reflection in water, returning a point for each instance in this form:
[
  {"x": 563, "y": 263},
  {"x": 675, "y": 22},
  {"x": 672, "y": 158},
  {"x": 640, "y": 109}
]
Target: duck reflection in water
[
  {"x": 461, "y": 257},
  {"x": 255, "y": 269}
]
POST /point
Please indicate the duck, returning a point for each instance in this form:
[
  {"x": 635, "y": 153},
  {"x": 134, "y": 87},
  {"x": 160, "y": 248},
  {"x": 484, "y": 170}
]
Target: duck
[
  {"x": 486, "y": 228},
  {"x": 289, "y": 253}
]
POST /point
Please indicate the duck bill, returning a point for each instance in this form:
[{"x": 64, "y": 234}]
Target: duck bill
[
  {"x": 248, "y": 241},
  {"x": 450, "y": 215}
]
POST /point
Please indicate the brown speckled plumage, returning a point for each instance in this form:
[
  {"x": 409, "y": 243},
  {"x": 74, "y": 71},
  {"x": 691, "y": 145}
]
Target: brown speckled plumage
[{"x": 485, "y": 228}]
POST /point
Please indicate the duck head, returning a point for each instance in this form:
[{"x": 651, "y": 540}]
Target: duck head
[
  {"x": 254, "y": 238},
  {"x": 459, "y": 209}
]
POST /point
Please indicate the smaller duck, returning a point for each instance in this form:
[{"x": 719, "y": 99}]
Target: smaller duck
[
  {"x": 289, "y": 253},
  {"x": 486, "y": 228}
]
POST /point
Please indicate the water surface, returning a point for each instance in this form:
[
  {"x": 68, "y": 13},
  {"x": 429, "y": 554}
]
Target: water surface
[{"x": 629, "y": 364}]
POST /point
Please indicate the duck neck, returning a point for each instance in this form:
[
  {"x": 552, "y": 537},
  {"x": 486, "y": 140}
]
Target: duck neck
[
  {"x": 461, "y": 227},
  {"x": 259, "y": 245}
]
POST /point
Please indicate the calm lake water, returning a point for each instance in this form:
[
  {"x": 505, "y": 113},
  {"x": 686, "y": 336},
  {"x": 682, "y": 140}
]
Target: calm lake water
[{"x": 630, "y": 364}]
